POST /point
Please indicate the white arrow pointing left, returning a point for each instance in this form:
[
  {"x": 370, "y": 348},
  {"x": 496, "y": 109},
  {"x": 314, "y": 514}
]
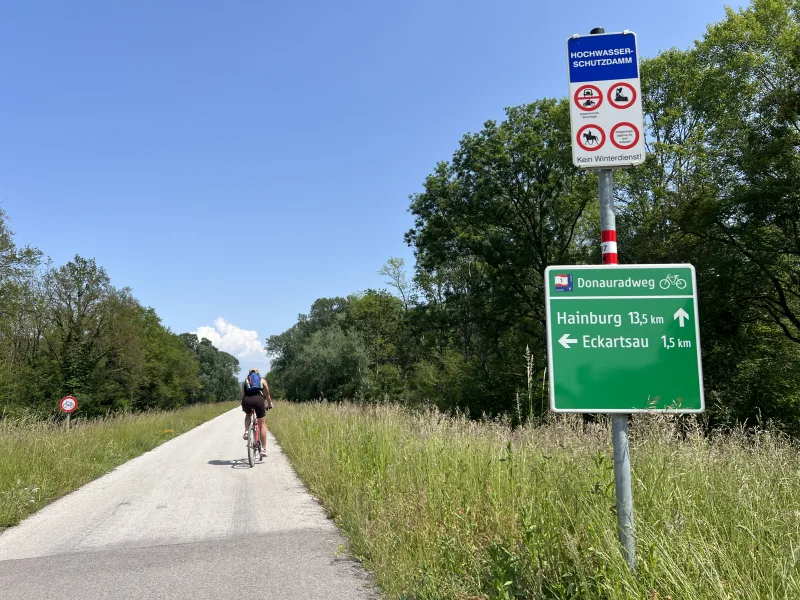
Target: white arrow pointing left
[
  {"x": 681, "y": 315},
  {"x": 565, "y": 341}
]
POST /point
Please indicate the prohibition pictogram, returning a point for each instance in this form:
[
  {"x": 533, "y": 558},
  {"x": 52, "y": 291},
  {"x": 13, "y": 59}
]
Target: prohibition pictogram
[
  {"x": 68, "y": 404},
  {"x": 591, "y": 138},
  {"x": 588, "y": 97},
  {"x": 624, "y": 135},
  {"x": 621, "y": 95}
]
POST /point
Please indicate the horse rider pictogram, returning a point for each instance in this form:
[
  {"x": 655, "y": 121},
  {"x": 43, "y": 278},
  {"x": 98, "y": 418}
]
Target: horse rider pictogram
[{"x": 590, "y": 138}]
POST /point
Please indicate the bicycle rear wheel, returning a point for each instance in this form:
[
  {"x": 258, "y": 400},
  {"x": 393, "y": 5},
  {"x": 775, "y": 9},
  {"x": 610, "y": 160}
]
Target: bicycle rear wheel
[{"x": 251, "y": 451}]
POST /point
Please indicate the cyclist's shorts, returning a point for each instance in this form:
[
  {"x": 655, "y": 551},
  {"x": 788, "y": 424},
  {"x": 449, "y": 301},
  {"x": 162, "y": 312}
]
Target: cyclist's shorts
[{"x": 255, "y": 402}]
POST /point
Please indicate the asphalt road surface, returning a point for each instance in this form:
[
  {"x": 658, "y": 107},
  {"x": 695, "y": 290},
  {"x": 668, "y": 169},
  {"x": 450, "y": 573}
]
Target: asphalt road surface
[{"x": 189, "y": 519}]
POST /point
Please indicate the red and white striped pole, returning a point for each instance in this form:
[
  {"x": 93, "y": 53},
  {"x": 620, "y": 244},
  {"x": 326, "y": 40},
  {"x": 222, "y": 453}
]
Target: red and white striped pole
[
  {"x": 608, "y": 237},
  {"x": 608, "y": 221}
]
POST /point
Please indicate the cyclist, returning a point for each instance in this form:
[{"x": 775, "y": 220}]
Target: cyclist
[{"x": 254, "y": 395}]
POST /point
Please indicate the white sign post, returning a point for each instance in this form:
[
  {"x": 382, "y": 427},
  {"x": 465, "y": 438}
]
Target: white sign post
[{"x": 605, "y": 101}]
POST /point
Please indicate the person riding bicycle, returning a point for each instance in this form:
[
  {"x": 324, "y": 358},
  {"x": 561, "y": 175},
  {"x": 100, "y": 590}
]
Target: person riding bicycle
[{"x": 255, "y": 394}]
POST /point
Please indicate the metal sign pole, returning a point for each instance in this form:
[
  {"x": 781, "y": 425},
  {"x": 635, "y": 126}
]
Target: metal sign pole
[
  {"x": 607, "y": 129},
  {"x": 619, "y": 422}
]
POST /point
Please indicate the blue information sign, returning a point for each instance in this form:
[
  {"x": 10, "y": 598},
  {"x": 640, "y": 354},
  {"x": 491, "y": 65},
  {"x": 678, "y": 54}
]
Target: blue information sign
[{"x": 602, "y": 57}]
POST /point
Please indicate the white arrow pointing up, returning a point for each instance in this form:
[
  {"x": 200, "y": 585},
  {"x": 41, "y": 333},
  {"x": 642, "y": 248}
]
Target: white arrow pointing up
[
  {"x": 565, "y": 341},
  {"x": 681, "y": 314}
]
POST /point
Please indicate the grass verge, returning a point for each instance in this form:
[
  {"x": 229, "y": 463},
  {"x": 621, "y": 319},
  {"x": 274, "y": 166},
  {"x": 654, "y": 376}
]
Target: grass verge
[
  {"x": 442, "y": 507},
  {"x": 41, "y": 461}
]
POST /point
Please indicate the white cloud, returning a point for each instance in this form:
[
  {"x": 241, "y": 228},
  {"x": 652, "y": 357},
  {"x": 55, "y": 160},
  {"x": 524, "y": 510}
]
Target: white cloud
[{"x": 244, "y": 344}]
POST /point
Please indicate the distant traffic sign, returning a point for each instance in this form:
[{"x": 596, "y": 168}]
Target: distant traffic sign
[
  {"x": 605, "y": 66},
  {"x": 69, "y": 404},
  {"x": 623, "y": 339}
]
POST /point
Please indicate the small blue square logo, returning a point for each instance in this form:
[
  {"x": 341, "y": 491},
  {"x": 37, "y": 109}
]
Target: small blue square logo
[{"x": 564, "y": 282}]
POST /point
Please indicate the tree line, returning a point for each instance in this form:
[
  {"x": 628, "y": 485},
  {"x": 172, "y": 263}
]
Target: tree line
[
  {"x": 68, "y": 330},
  {"x": 720, "y": 189}
]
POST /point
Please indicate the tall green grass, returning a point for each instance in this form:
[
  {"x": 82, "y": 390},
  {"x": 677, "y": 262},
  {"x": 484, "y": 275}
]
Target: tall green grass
[
  {"x": 444, "y": 507},
  {"x": 41, "y": 461}
]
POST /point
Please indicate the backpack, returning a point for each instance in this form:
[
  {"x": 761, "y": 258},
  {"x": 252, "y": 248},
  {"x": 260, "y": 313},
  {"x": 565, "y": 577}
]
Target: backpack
[{"x": 253, "y": 382}]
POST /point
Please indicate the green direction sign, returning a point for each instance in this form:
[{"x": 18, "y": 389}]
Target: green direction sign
[{"x": 623, "y": 339}]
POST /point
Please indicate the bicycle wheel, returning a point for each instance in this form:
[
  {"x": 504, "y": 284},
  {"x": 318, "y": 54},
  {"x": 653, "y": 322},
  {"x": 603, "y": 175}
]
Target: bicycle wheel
[
  {"x": 251, "y": 444},
  {"x": 664, "y": 284},
  {"x": 680, "y": 283}
]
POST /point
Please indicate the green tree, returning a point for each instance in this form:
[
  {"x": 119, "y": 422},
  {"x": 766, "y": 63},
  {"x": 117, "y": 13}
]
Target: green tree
[
  {"x": 78, "y": 323},
  {"x": 170, "y": 371},
  {"x": 218, "y": 371},
  {"x": 719, "y": 190},
  {"x": 753, "y": 58},
  {"x": 19, "y": 330},
  {"x": 487, "y": 225}
]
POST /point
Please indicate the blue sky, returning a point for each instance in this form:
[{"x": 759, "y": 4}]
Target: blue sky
[{"x": 233, "y": 161}]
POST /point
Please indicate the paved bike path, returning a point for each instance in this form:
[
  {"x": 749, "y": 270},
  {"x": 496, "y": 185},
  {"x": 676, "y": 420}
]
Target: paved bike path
[{"x": 188, "y": 519}]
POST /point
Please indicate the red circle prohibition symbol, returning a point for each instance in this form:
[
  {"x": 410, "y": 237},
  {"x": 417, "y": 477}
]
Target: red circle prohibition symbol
[
  {"x": 613, "y": 132},
  {"x": 68, "y": 404},
  {"x": 623, "y": 96},
  {"x": 592, "y": 141},
  {"x": 588, "y": 97}
]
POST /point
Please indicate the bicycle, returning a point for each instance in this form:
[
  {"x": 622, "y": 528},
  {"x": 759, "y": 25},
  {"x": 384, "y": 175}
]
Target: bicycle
[
  {"x": 672, "y": 280},
  {"x": 253, "y": 440}
]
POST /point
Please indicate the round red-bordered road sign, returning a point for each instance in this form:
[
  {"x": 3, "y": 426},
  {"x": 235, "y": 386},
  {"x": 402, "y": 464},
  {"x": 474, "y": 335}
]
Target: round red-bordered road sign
[
  {"x": 69, "y": 404},
  {"x": 625, "y": 135},
  {"x": 592, "y": 142},
  {"x": 624, "y": 95},
  {"x": 588, "y": 97}
]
